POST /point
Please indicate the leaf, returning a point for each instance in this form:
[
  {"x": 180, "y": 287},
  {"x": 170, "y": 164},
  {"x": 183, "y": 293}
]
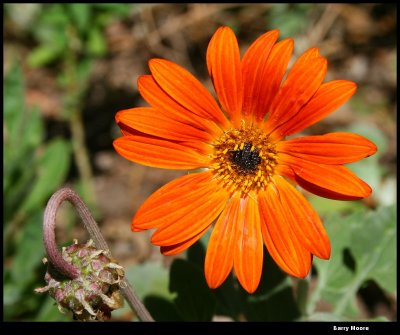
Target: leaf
[
  {"x": 369, "y": 237},
  {"x": 273, "y": 300},
  {"x": 13, "y": 104},
  {"x": 53, "y": 167},
  {"x": 49, "y": 312},
  {"x": 80, "y": 14},
  {"x": 194, "y": 300},
  {"x": 43, "y": 55},
  {"x": 161, "y": 309},
  {"x": 149, "y": 278},
  {"x": 96, "y": 44},
  {"x": 29, "y": 252},
  {"x": 373, "y": 245}
]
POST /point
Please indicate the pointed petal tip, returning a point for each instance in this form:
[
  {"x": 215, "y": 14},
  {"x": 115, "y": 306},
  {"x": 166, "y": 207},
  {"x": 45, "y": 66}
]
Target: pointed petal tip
[{"x": 250, "y": 287}]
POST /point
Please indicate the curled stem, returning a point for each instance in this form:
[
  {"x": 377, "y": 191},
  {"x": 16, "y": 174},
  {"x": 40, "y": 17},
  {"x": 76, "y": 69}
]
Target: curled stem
[{"x": 67, "y": 269}]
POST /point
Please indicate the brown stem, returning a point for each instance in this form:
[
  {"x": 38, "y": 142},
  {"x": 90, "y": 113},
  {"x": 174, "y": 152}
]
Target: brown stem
[{"x": 67, "y": 269}]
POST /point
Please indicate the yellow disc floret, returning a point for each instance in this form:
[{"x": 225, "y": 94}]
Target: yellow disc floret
[{"x": 244, "y": 159}]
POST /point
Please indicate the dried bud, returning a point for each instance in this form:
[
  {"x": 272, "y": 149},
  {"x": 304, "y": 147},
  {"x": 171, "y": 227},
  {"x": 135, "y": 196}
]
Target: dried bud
[{"x": 95, "y": 292}]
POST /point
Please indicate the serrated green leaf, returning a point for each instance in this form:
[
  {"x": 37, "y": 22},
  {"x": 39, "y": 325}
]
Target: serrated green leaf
[
  {"x": 373, "y": 245},
  {"x": 53, "y": 167},
  {"x": 194, "y": 300},
  {"x": 369, "y": 236}
]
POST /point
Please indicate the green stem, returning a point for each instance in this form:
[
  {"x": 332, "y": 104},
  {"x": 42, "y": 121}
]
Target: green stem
[
  {"x": 74, "y": 114},
  {"x": 302, "y": 296}
]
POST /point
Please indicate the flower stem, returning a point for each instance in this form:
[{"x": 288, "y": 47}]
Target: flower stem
[{"x": 67, "y": 269}]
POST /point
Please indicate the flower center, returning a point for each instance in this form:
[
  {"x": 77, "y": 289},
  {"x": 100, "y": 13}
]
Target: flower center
[{"x": 244, "y": 159}]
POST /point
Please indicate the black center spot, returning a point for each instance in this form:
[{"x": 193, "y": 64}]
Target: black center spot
[{"x": 244, "y": 160}]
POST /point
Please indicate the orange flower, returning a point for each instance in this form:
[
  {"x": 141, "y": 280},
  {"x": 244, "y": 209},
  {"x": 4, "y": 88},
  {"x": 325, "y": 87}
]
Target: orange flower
[{"x": 243, "y": 155}]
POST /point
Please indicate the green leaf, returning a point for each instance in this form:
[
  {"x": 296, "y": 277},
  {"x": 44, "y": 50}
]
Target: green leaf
[
  {"x": 29, "y": 251},
  {"x": 373, "y": 245},
  {"x": 149, "y": 278},
  {"x": 161, "y": 309},
  {"x": 13, "y": 104},
  {"x": 53, "y": 167},
  {"x": 50, "y": 312},
  {"x": 273, "y": 300},
  {"x": 194, "y": 301},
  {"x": 43, "y": 55},
  {"x": 80, "y": 14},
  {"x": 96, "y": 44},
  {"x": 369, "y": 237}
]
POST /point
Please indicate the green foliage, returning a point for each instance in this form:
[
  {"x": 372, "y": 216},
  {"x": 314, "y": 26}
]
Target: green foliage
[
  {"x": 368, "y": 239},
  {"x": 77, "y": 26},
  {"x": 194, "y": 300},
  {"x": 363, "y": 249},
  {"x": 33, "y": 170},
  {"x": 289, "y": 18}
]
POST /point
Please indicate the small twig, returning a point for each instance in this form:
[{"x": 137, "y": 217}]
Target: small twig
[{"x": 67, "y": 269}]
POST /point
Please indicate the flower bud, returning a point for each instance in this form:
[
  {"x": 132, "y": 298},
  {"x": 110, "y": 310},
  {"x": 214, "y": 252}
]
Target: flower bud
[{"x": 94, "y": 294}]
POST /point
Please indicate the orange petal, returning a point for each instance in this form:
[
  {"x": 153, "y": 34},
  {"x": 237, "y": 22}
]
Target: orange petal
[
  {"x": 332, "y": 148},
  {"x": 170, "y": 197},
  {"x": 330, "y": 181},
  {"x": 159, "y": 153},
  {"x": 248, "y": 251},
  {"x": 302, "y": 82},
  {"x": 178, "y": 248},
  {"x": 177, "y": 206},
  {"x": 220, "y": 249},
  {"x": 303, "y": 220},
  {"x": 262, "y": 72},
  {"x": 183, "y": 87},
  {"x": 148, "y": 120},
  {"x": 223, "y": 62},
  {"x": 203, "y": 212},
  {"x": 167, "y": 106},
  {"x": 329, "y": 97},
  {"x": 279, "y": 238}
]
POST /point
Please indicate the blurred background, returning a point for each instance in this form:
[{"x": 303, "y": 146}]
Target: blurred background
[{"x": 68, "y": 68}]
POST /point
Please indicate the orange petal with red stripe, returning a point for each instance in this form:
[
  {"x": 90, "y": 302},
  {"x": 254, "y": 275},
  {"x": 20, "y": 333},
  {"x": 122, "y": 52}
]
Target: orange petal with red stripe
[
  {"x": 171, "y": 197},
  {"x": 157, "y": 98},
  {"x": 303, "y": 220},
  {"x": 329, "y": 97},
  {"x": 279, "y": 238},
  {"x": 177, "y": 206},
  {"x": 160, "y": 153},
  {"x": 203, "y": 212},
  {"x": 183, "y": 87},
  {"x": 262, "y": 73},
  {"x": 302, "y": 82},
  {"x": 330, "y": 181},
  {"x": 175, "y": 249},
  {"x": 223, "y": 240},
  {"x": 331, "y": 148},
  {"x": 248, "y": 251},
  {"x": 148, "y": 120},
  {"x": 223, "y": 62}
]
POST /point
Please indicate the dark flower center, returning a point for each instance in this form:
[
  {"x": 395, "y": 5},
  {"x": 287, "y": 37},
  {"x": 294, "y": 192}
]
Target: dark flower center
[{"x": 246, "y": 159}]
